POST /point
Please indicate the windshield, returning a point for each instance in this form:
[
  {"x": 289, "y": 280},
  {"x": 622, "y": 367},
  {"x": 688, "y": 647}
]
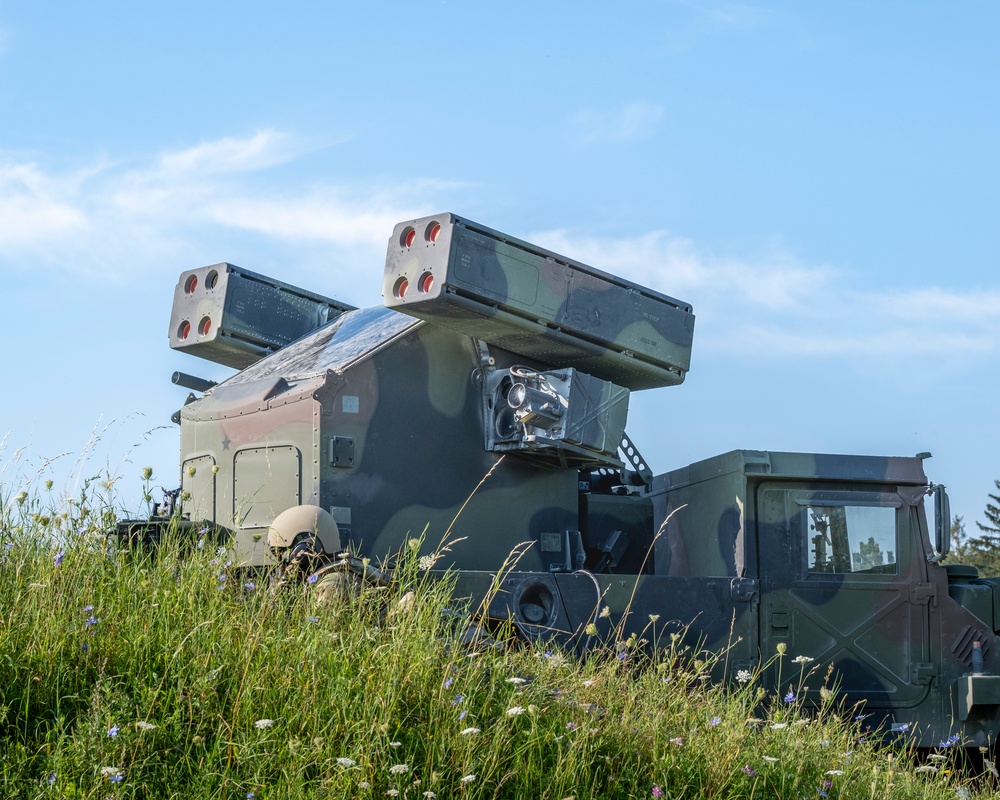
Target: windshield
[{"x": 351, "y": 337}]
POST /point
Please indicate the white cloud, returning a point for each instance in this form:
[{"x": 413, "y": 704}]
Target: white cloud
[
  {"x": 772, "y": 303},
  {"x": 625, "y": 124},
  {"x": 175, "y": 208}
]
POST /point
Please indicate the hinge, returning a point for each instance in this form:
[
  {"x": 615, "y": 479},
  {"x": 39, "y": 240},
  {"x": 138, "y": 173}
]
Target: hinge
[
  {"x": 923, "y": 593},
  {"x": 743, "y": 589},
  {"x": 341, "y": 452},
  {"x": 923, "y": 672}
]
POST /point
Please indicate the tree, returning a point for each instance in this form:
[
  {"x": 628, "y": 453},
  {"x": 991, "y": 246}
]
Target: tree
[
  {"x": 993, "y": 515},
  {"x": 979, "y": 551}
]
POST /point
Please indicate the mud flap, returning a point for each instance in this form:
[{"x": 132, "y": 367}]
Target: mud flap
[{"x": 549, "y": 607}]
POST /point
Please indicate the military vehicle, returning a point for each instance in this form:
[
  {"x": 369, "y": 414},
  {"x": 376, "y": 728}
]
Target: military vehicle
[{"x": 485, "y": 401}]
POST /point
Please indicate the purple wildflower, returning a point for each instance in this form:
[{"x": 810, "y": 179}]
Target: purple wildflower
[
  {"x": 448, "y": 682},
  {"x": 657, "y": 791},
  {"x": 714, "y": 721},
  {"x": 91, "y": 621},
  {"x": 313, "y": 578},
  {"x": 459, "y": 699},
  {"x": 790, "y": 697},
  {"x": 112, "y": 731},
  {"x": 57, "y": 559},
  {"x": 749, "y": 770}
]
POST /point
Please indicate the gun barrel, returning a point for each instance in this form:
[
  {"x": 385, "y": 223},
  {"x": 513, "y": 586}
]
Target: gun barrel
[{"x": 192, "y": 382}]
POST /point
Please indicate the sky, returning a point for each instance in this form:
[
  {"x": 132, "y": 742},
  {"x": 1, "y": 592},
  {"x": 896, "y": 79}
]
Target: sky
[{"x": 821, "y": 181}]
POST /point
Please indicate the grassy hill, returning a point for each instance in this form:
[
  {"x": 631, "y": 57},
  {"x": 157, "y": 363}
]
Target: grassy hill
[{"x": 125, "y": 676}]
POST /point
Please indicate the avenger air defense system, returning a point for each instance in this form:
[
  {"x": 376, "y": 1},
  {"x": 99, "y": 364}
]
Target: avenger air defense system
[{"x": 487, "y": 399}]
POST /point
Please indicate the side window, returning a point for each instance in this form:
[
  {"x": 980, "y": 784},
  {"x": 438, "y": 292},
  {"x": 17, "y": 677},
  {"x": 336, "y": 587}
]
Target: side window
[{"x": 848, "y": 539}]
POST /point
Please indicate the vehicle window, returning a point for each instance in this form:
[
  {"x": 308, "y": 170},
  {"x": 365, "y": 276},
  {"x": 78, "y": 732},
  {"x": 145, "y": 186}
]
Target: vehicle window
[{"x": 845, "y": 539}]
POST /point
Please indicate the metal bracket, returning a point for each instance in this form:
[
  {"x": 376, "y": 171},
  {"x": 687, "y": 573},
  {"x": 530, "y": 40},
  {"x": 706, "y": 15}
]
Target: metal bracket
[
  {"x": 341, "y": 451},
  {"x": 634, "y": 457}
]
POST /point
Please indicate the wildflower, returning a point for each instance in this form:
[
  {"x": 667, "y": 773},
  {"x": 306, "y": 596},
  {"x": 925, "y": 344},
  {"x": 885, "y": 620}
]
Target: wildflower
[
  {"x": 57, "y": 559},
  {"x": 313, "y": 578},
  {"x": 469, "y": 731},
  {"x": 448, "y": 682},
  {"x": 459, "y": 698},
  {"x": 516, "y": 681},
  {"x": 249, "y": 586},
  {"x": 657, "y": 791},
  {"x": 201, "y": 543},
  {"x": 790, "y": 697},
  {"x": 399, "y": 769},
  {"x": 261, "y": 724},
  {"x": 426, "y": 562},
  {"x": 571, "y": 726},
  {"x": 250, "y": 796},
  {"x": 462, "y": 714},
  {"x": 951, "y": 741},
  {"x": 110, "y": 770},
  {"x": 714, "y": 721},
  {"x": 743, "y": 676},
  {"x": 588, "y": 683},
  {"x": 112, "y": 731},
  {"x": 87, "y": 609},
  {"x": 91, "y": 621},
  {"x": 429, "y": 795},
  {"x": 346, "y": 762},
  {"x": 85, "y": 647},
  {"x": 782, "y": 648},
  {"x": 802, "y": 660},
  {"x": 116, "y": 778},
  {"x": 834, "y": 772},
  {"x": 313, "y": 620},
  {"x": 677, "y": 741},
  {"x": 20, "y": 498},
  {"x": 392, "y": 792},
  {"x": 52, "y": 778},
  {"x": 515, "y": 711},
  {"x": 777, "y": 726},
  {"x": 142, "y": 725},
  {"x": 364, "y": 785},
  {"x": 770, "y": 759},
  {"x": 395, "y": 744},
  {"x": 605, "y": 613},
  {"x": 468, "y": 778},
  {"x": 926, "y": 768},
  {"x": 749, "y": 771}
]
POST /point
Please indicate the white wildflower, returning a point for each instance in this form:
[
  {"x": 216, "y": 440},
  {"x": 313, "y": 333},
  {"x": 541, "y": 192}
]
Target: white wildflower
[
  {"x": 263, "y": 723},
  {"x": 777, "y": 726},
  {"x": 395, "y": 744},
  {"x": 111, "y": 771},
  {"x": 392, "y": 792},
  {"x": 802, "y": 660},
  {"x": 470, "y": 731},
  {"x": 399, "y": 769},
  {"x": 514, "y": 711},
  {"x": 770, "y": 759},
  {"x": 926, "y": 768},
  {"x": 426, "y": 563},
  {"x": 516, "y": 681},
  {"x": 468, "y": 778},
  {"x": 142, "y": 725},
  {"x": 835, "y": 772},
  {"x": 364, "y": 785},
  {"x": 743, "y": 676},
  {"x": 605, "y": 613},
  {"x": 346, "y": 762},
  {"x": 430, "y": 795}
]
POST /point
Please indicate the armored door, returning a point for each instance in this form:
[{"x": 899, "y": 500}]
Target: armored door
[{"x": 843, "y": 582}]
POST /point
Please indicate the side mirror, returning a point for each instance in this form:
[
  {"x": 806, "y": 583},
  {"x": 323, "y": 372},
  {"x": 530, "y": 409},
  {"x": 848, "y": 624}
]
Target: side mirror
[{"x": 942, "y": 522}]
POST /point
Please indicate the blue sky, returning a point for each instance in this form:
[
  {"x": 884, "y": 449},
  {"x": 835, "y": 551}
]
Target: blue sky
[{"x": 820, "y": 181}]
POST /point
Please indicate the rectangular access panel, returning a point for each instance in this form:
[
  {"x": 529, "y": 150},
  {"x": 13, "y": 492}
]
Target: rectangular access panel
[{"x": 533, "y": 302}]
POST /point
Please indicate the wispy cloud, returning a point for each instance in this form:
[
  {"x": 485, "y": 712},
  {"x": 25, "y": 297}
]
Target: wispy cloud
[
  {"x": 624, "y": 124},
  {"x": 164, "y": 210},
  {"x": 771, "y": 303}
]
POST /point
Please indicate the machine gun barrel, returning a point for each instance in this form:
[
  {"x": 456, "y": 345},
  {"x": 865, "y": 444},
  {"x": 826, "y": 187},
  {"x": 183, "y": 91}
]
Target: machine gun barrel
[{"x": 192, "y": 382}]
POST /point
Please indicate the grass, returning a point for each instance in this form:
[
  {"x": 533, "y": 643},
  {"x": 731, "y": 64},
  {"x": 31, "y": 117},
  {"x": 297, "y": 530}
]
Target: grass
[{"x": 128, "y": 676}]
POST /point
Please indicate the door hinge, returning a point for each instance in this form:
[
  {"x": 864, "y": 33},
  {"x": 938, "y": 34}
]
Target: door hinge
[
  {"x": 923, "y": 672},
  {"x": 923, "y": 593},
  {"x": 743, "y": 589}
]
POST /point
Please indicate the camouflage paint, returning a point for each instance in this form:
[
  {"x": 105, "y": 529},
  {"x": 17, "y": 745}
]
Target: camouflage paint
[{"x": 392, "y": 422}]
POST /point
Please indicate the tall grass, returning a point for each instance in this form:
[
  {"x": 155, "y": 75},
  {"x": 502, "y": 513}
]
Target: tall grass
[{"x": 131, "y": 675}]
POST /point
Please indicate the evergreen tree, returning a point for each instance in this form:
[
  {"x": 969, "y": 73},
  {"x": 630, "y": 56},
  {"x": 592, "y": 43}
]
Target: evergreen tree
[
  {"x": 993, "y": 515},
  {"x": 979, "y": 551}
]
